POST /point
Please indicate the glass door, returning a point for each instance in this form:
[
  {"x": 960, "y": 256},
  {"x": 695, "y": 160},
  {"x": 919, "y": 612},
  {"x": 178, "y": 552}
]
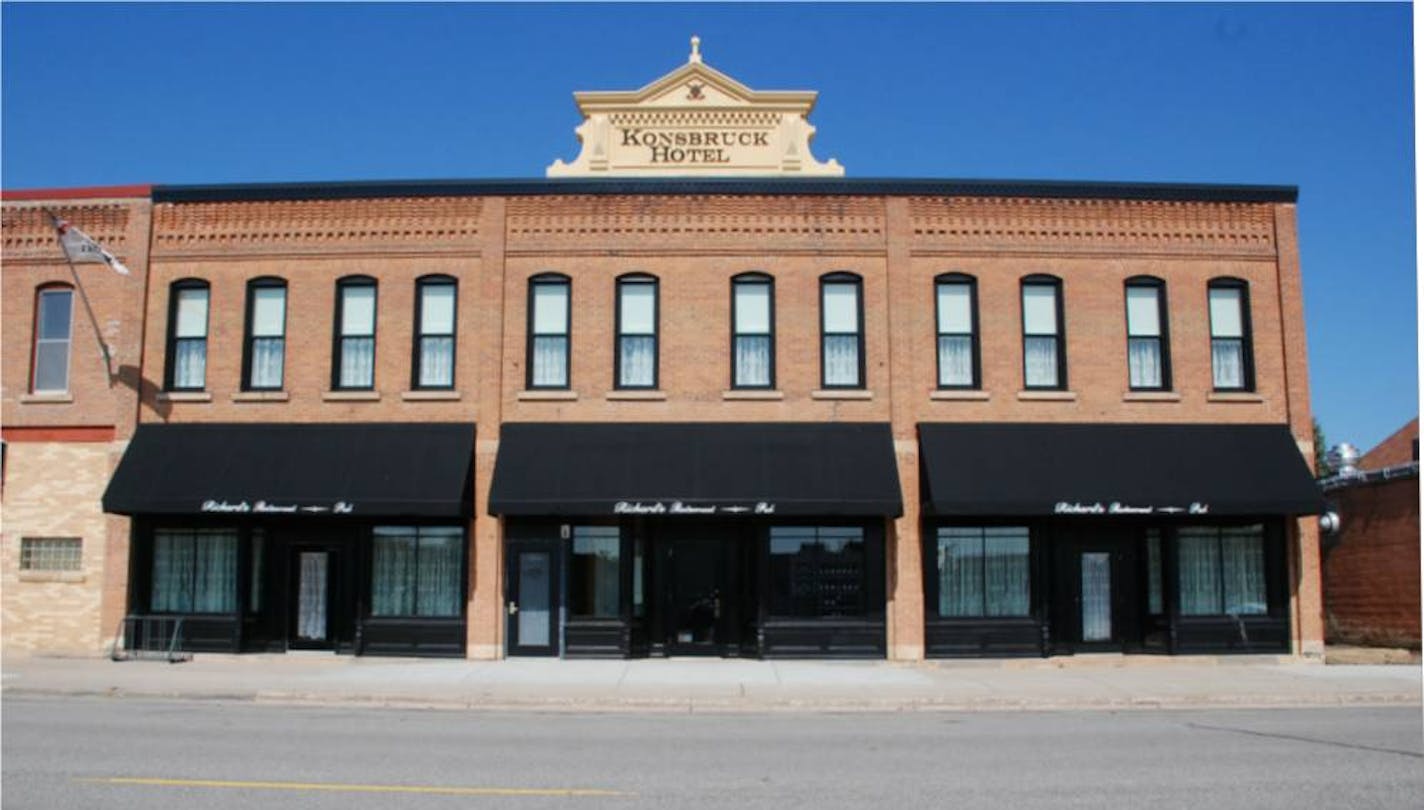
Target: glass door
[
  {"x": 1096, "y": 619},
  {"x": 310, "y": 626},
  {"x": 699, "y": 595},
  {"x": 531, "y": 599}
]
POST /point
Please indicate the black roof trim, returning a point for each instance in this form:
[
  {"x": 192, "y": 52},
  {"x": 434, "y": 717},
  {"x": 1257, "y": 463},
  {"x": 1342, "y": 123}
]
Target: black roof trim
[{"x": 892, "y": 187}]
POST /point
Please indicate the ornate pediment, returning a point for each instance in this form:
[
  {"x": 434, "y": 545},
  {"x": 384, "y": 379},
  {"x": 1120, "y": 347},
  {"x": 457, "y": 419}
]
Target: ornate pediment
[{"x": 695, "y": 121}]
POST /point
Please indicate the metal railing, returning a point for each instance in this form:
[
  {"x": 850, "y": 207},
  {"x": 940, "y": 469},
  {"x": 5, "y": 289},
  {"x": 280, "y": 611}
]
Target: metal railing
[{"x": 150, "y": 637}]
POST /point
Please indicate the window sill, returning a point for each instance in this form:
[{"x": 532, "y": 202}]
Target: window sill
[
  {"x": 430, "y": 396},
  {"x": 1233, "y": 396},
  {"x": 753, "y": 394},
  {"x": 958, "y": 395},
  {"x": 1047, "y": 396},
  {"x": 836, "y": 393},
  {"x": 636, "y": 396},
  {"x": 46, "y": 399},
  {"x": 351, "y": 396},
  {"x": 184, "y": 396},
  {"x": 261, "y": 396},
  {"x": 1151, "y": 396},
  {"x": 547, "y": 396},
  {"x": 51, "y": 576}
]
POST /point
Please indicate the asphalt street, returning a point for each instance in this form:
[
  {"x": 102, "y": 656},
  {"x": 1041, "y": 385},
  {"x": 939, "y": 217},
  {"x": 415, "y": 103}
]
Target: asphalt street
[{"x": 131, "y": 753}]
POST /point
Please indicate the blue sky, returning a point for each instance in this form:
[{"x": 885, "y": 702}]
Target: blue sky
[{"x": 1315, "y": 95}]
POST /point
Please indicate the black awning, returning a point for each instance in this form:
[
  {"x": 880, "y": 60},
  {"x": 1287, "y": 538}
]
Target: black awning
[
  {"x": 357, "y": 470},
  {"x": 730, "y": 469},
  {"x": 1114, "y": 469}
]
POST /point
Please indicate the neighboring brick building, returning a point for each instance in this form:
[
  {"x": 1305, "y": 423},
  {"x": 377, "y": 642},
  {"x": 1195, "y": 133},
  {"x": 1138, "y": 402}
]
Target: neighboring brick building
[
  {"x": 1371, "y": 568},
  {"x": 760, "y": 415}
]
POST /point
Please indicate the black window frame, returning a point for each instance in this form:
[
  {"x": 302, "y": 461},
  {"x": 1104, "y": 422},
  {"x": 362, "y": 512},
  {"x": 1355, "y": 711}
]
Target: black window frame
[
  {"x": 1060, "y": 336},
  {"x": 1163, "y": 336},
  {"x": 963, "y": 279},
  {"x": 1248, "y": 354},
  {"x": 549, "y": 279},
  {"x": 762, "y": 280},
  {"x": 253, "y": 285},
  {"x": 339, "y": 336},
  {"x": 871, "y": 577},
  {"x": 621, "y": 283},
  {"x": 417, "y": 533},
  {"x": 419, "y": 334},
  {"x": 844, "y": 277},
  {"x": 40, "y": 292},
  {"x": 933, "y": 586},
  {"x": 170, "y": 365}
]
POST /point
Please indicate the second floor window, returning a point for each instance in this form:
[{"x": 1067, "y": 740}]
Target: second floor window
[
  {"x": 1231, "y": 362},
  {"x": 54, "y": 309},
  {"x": 637, "y": 359},
  {"x": 1148, "y": 367},
  {"x": 753, "y": 350},
  {"x": 842, "y": 343},
  {"x": 355, "y": 364},
  {"x": 435, "y": 339},
  {"x": 1043, "y": 333},
  {"x": 956, "y": 321},
  {"x": 188, "y": 336},
  {"x": 548, "y": 351},
  {"x": 266, "y": 335}
]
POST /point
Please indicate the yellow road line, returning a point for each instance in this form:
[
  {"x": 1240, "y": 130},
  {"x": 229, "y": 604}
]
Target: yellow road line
[{"x": 337, "y": 787}]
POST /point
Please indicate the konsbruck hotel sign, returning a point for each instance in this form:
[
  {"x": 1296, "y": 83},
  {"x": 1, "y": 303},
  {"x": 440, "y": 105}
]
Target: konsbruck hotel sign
[{"x": 695, "y": 121}]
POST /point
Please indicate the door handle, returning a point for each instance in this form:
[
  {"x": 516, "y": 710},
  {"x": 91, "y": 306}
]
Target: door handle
[{"x": 513, "y": 608}]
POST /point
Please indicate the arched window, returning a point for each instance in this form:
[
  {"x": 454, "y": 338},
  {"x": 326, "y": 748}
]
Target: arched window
[
  {"x": 186, "y": 358},
  {"x": 265, "y": 335},
  {"x": 353, "y": 355},
  {"x": 842, "y": 334},
  {"x": 1045, "y": 366},
  {"x": 1232, "y": 361},
  {"x": 635, "y": 358},
  {"x": 1149, "y": 356},
  {"x": 547, "y": 352},
  {"x": 433, "y": 364},
  {"x": 753, "y": 331},
  {"x": 957, "y": 330},
  {"x": 54, "y": 317}
]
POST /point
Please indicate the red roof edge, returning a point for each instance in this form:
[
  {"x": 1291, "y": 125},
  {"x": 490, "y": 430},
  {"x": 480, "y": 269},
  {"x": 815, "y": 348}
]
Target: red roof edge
[{"x": 86, "y": 193}]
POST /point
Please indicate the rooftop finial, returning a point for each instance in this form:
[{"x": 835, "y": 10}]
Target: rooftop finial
[{"x": 696, "y": 53}]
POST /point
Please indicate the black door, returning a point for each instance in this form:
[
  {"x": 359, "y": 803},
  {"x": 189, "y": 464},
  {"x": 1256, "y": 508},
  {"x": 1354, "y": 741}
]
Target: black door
[
  {"x": 700, "y": 595},
  {"x": 531, "y": 590},
  {"x": 310, "y": 616}
]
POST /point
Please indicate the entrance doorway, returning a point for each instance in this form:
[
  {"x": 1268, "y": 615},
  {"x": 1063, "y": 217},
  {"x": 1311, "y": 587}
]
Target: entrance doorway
[
  {"x": 531, "y": 599},
  {"x": 310, "y": 622},
  {"x": 699, "y": 595},
  {"x": 1098, "y": 603}
]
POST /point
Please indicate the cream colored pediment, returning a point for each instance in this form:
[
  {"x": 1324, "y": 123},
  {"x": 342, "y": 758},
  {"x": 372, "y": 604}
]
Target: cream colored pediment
[{"x": 696, "y": 120}]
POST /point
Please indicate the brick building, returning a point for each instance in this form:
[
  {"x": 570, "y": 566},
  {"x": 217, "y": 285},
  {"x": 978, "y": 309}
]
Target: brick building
[
  {"x": 689, "y": 398},
  {"x": 1371, "y": 569}
]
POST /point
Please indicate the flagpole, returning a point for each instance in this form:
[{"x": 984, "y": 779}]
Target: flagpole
[{"x": 84, "y": 297}]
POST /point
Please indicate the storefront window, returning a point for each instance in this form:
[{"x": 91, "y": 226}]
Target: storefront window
[
  {"x": 593, "y": 573},
  {"x": 818, "y": 571},
  {"x": 254, "y": 596},
  {"x": 1154, "y": 572},
  {"x": 983, "y": 571},
  {"x": 194, "y": 571},
  {"x": 1222, "y": 571},
  {"x": 415, "y": 570}
]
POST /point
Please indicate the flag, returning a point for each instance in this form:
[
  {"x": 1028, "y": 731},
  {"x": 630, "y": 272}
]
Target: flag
[{"x": 80, "y": 248}]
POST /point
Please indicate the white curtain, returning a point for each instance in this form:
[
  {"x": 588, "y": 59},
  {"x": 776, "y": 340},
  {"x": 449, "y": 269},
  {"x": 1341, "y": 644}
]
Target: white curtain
[
  {"x": 172, "y": 590},
  {"x": 438, "y": 575},
  {"x": 1199, "y": 572},
  {"x": 1041, "y": 362},
  {"x": 551, "y": 361},
  {"x": 437, "y": 361},
  {"x": 311, "y": 597},
  {"x": 266, "y": 369},
  {"x": 1243, "y": 561},
  {"x": 1154, "y": 572},
  {"x": 392, "y": 566},
  {"x": 753, "y": 360},
  {"x": 1227, "y": 364},
  {"x": 190, "y": 361},
  {"x": 636, "y": 360},
  {"x": 961, "y": 572},
  {"x": 842, "y": 360},
  {"x": 1006, "y": 572},
  {"x": 194, "y": 571},
  {"x": 956, "y": 360},
  {"x": 1144, "y": 362},
  {"x": 358, "y": 362},
  {"x": 1096, "y": 596}
]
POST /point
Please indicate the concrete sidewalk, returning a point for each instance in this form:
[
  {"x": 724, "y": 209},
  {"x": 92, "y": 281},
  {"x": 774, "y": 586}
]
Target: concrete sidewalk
[{"x": 1081, "y": 682}]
